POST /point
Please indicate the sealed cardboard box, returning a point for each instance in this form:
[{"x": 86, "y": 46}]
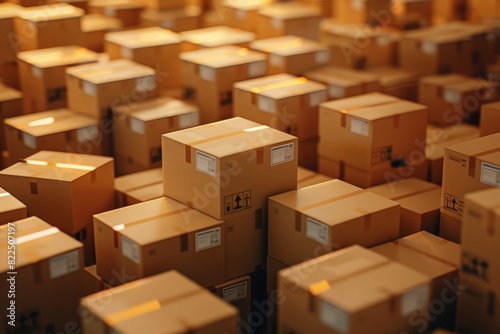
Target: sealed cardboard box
[
  {"x": 321, "y": 218},
  {"x": 282, "y": 101},
  {"x": 95, "y": 27},
  {"x": 182, "y": 19},
  {"x": 95, "y": 88},
  {"x": 306, "y": 177},
  {"x": 81, "y": 185},
  {"x": 292, "y": 54},
  {"x": 128, "y": 11},
  {"x": 396, "y": 82},
  {"x": 138, "y": 187},
  {"x": 164, "y": 4},
  {"x": 55, "y": 130},
  {"x": 48, "y": 26},
  {"x": 158, "y": 235},
  {"x": 419, "y": 204},
  {"x": 237, "y": 292},
  {"x": 209, "y": 74},
  {"x": 375, "y": 12},
  {"x": 490, "y": 119},
  {"x": 138, "y": 129},
  {"x": 243, "y": 14},
  {"x": 12, "y": 208},
  {"x": 291, "y": 18},
  {"x": 215, "y": 36},
  {"x": 10, "y": 106},
  {"x": 167, "y": 302},
  {"x": 8, "y": 12}
]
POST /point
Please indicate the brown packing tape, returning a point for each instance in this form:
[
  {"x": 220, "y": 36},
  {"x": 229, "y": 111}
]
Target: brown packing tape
[
  {"x": 344, "y": 112},
  {"x": 421, "y": 252},
  {"x": 473, "y": 160},
  {"x": 140, "y": 187},
  {"x": 367, "y": 224},
  {"x": 490, "y": 223}
]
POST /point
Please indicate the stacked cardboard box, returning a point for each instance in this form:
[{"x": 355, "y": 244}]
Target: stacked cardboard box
[
  {"x": 215, "y": 36},
  {"x": 8, "y": 44},
  {"x": 95, "y": 27},
  {"x": 490, "y": 119},
  {"x": 374, "y": 12},
  {"x": 178, "y": 20},
  {"x": 138, "y": 187},
  {"x": 12, "y": 208},
  {"x": 307, "y": 178},
  {"x": 127, "y": 11},
  {"x": 10, "y": 106},
  {"x": 396, "y": 82}
]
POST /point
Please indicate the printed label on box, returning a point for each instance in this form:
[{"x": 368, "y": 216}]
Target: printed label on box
[
  {"x": 316, "y": 98},
  {"x": 207, "y": 73},
  {"x": 317, "y": 231},
  {"x": 90, "y": 133},
  {"x": 277, "y": 61},
  {"x": 266, "y": 104},
  {"x": 130, "y": 250},
  {"x": 36, "y": 72},
  {"x": 334, "y": 317},
  {"x": 322, "y": 57},
  {"x": 64, "y": 264},
  {"x": 336, "y": 92},
  {"x": 283, "y": 153},
  {"x": 241, "y": 14},
  {"x": 189, "y": 120},
  {"x": 429, "y": 48},
  {"x": 490, "y": 174},
  {"x": 383, "y": 40},
  {"x": 208, "y": 239},
  {"x": 206, "y": 163},
  {"x": 257, "y": 69},
  {"x": 29, "y": 141},
  {"x": 126, "y": 52},
  {"x": 414, "y": 300},
  {"x": 381, "y": 154},
  {"x": 109, "y": 11},
  {"x": 137, "y": 126},
  {"x": 168, "y": 24},
  {"x": 89, "y": 88},
  {"x": 451, "y": 96},
  {"x": 276, "y": 23},
  {"x": 145, "y": 84},
  {"x": 235, "y": 292},
  {"x": 360, "y": 126},
  {"x": 453, "y": 204},
  {"x": 237, "y": 202}
]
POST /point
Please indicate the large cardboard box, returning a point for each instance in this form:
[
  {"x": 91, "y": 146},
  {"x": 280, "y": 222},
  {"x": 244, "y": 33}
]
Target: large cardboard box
[
  {"x": 282, "y": 101},
  {"x": 128, "y": 11},
  {"x": 8, "y": 12},
  {"x": 490, "y": 119},
  {"x": 243, "y": 14},
  {"x": 55, "y": 130},
  {"x": 95, "y": 27},
  {"x": 12, "y": 208},
  {"x": 237, "y": 292},
  {"x": 375, "y": 12},
  {"x": 215, "y": 36},
  {"x": 95, "y": 88},
  {"x": 47, "y": 26},
  {"x": 396, "y": 82},
  {"x": 182, "y": 19},
  {"x": 159, "y": 235},
  {"x": 437, "y": 258},
  {"x": 167, "y": 302},
  {"x": 293, "y": 18},
  {"x": 79, "y": 185},
  {"x": 420, "y": 202},
  {"x": 321, "y": 218},
  {"x": 155, "y": 47},
  {"x": 292, "y": 54},
  {"x": 10, "y": 106},
  {"x": 138, "y": 129},
  {"x": 306, "y": 177},
  {"x": 209, "y": 74},
  {"x": 138, "y": 187}
]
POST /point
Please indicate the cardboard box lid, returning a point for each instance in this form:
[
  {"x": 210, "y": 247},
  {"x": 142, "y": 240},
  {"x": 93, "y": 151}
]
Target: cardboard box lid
[
  {"x": 9, "y": 10},
  {"x": 389, "y": 110},
  {"x": 381, "y": 35},
  {"x": 58, "y": 56},
  {"x": 288, "y": 45},
  {"x": 36, "y": 241},
  {"x": 137, "y": 180},
  {"x": 165, "y": 216},
  {"x": 486, "y": 147},
  {"x": 222, "y": 56},
  {"x": 359, "y": 101},
  {"x": 59, "y": 166},
  {"x": 249, "y": 85},
  {"x": 443, "y": 79},
  {"x": 339, "y": 76},
  {"x": 218, "y": 35},
  {"x": 487, "y": 199},
  {"x": 50, "y": 122},
  {"x": 144, "y": 38},
  {"x": 247, "y": 5},
  {"x": 287, "y": 88},
  {"x": 114, "y": 70},
  {"x": 158, "y": 108},
  {"x": 9, "y": 202},
  {"x": 172, "y": 14},
  {"x": 99, "y": 22},
  {"x": 438, "y": 138},
  {"x": 43, "y": 13},
  {"x": 433, "y": 245},
  {"x": 8, "y": 93},
  {"x": 471, "y": 86},
  {"x": 225, "y": 137},
  {"x": 290, "y": 10},
  {"x": 390, "y": 76},
  {"x": 116, "y": 4},
  {"x": 431, "y": 36},
  {"x": 147, "y": 193}
]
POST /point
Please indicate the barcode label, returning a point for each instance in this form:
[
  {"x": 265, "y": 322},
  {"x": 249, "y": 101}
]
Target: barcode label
[
  {"x": 360, "y": 126},
  {"x": 334, "y": 317},
  {"x": 317, "y": 231},
  {"x": 266, "y": 104},
  {"x": 89, "y": 88},
  {"x": 414, "y": 300},
  {"x": 189, "y": 120},
  {"x": 208, "y": 239},
  {"x": 490, "y": 174},
  {"x": 137, "y": 126},
  {"x": 29, "y": 141},
  {"x": 207, "y": 73},
  {"x": 130, "y": 250},
  {"x": 64, "y": 264},
  {"x": 282, "y": 154},
  {"x": 316, "y": 98},
  {"x": 205, "y": 163},
  {"x": 235, "y": 292},
  {"x": 89, "y": 133}
]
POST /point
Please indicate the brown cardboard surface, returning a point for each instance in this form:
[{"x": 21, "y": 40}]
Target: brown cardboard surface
[
  {"x": 346, "y": 11},
  {"x": 490, "y": 119},
  {"x": 128, "y": 187},
  {"x": 127, "y": 11},
  {"x": 8, "y": 12},
  {"x": 243, "y": 14},
  {"x": 12, "y": 208},
  {"x": 178, "y": 20},
  {"x": 164, "y": 4},
  {"x": 308, "y": 153},
  {"x": 396, "y": 82},
  {"x": 307, "y": 178},
  {"x": 237, "y": 292},
  {"x": 10, "y": 106},
  {"x": 215, "y": 36},
  {"x": 449, "y": 227},
  {"x": 95, "y": 26},
  {"x": 273, "y": 266}
]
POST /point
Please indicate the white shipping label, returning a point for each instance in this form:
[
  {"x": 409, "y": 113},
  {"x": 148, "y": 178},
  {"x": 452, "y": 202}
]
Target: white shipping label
[
  {"x": 130, "y": 250},
  {"x": 126, "y": 52},
  {"x": 383, "y": 40},
  {"x": 336, "y": 92},
  {"x": 206, "y": 163},
  {"x": 414, "y": 300},
  {"x": 29, "y": 141},
  {"x": 334, "y": 317},
  {"x": 89, "y": 88},
  {"x": 207, "y": 73},
  {"x": 64, "y": 264},
  {"x": 235, "y": 292},
  {"x": 316, "y": 98},
  {"x": 276, "y": 23},
  {"x": 283, "y": 153},
  {"x": 208, "y": 239},
  {"x": 276, "y": 61},
  {"x": 189, "y": 120},
  {"x": 266, "y": 104},
  {"x": 257, "y": 69},
  {"x": 36, "y": 72},
  {"x": 360, "y": 126},
  {"x": 137, "y": 126},
  {"x": 490, "y": 174},
  {"x": 317, "y": 231},
  {"x": 89, "y": 133},
  {"x": 451, "y": 96},
  {"x": 145, "y": 84},
  {"x": 168, "y": 24},
  {"x": 322, "y": 57},
  {"x": 109, "y": 11},
  {"x": 429, "y": 48},
  {"x": 241, "y": 14}
]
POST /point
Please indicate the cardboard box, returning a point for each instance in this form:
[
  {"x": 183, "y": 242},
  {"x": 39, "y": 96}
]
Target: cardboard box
[
  {"x": 12, "y": 208},
  {"x": 411, "y": 14},
  {"x": 450, "y": 227},
  {"x": 138, "y": 129},
  {"x": 440, "y": 261},
  {"x": 282, "y": 101},
  {"x": 420, "y": 203},
  {"x": 94, "y": 282},
  {"x": 243, "y": 14},
  {"x": 292, "y": 54},
  {"x": 10, "y": 106},
  {"x": 9, "y": 74},
  {"x": 187, "y": 18},
  {"x": 344, "y": 82},
  {"x": 128, "y": 11},
  {"x": 80, "y": 185},
  {"x": 307, "y": 178},
  {"x": 215, "y": 36},
  {"x": 490, "y": 119},
  {"x": 209, "y": 74},
  {"x": 478, "y": 11},
  {"x": 396, "y": 82},
  {"x": 95, "y": 88},
  {"x": 48, "y": 26},
  {"x": 237, "y": 292},
  {"x": 168, "y": 302},
  {"x": 325, "y": 6},
  {"x": 449, "y": 11},
  {"x": 308, "y": 153},
  {"x": 159, "y": 235},
  {"x": 365, "y": 11},
  {"x": 164, "y": 4},
  {"x": 83, "y": 4},
  {"x": 303, "y": 223},
  {"x": 56, "y": 130},
  {"x": 95, "y": 27},
  {"x": 138, "y": 187},
  {"x": 273, "y": 266},
  {"x": 8, "y": 12},
  {"x": 292, "y": 18}
]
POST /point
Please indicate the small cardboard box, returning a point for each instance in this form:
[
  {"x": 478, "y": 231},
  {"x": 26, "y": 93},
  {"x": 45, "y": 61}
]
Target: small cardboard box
[
  {"x": 419, "y": 204},
  {"x": 319, "y": 219},
  {"x": 139, "y": 187},
  {"x": 56, "y": 130},
  {"x": 243, "y": 14},
  {"x": 178, "y": 20},
  {"x": 215, "y": 36},
  {"x": 396, "y": 82},
  {"x": 292, "y": 54},
  {"x": 237, "y": 292},
  {"x": 167, "y": 302},
  {"x": 158, "y": 235},
  {"x": 209, "y": 74},
  {"x": 48, "y": 26},
  {"x": 128, "y": 11},
  {"x": 10, "y": 106},
  {"x": 12, "y": 208},
  {"x": 164, "y": 4},
  {"x": 95, "y": 27},
  {"x": 155, "y": 47},
  {"x": 80, "y": 185},
  {"x": 138, "y": 129},
  {"x": 375, "y": 12},
  {"x": 293, "y": 18},
  {"x": 282, "y": 101},
  {"x": 490, "y": 119},
  {"x": 8, "y": 12},
  {"x": 306, "y": 177},
  {"x": 95, "y": 88}
]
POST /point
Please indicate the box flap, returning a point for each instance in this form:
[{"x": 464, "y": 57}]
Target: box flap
[{"x": 114, "y": 70}]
